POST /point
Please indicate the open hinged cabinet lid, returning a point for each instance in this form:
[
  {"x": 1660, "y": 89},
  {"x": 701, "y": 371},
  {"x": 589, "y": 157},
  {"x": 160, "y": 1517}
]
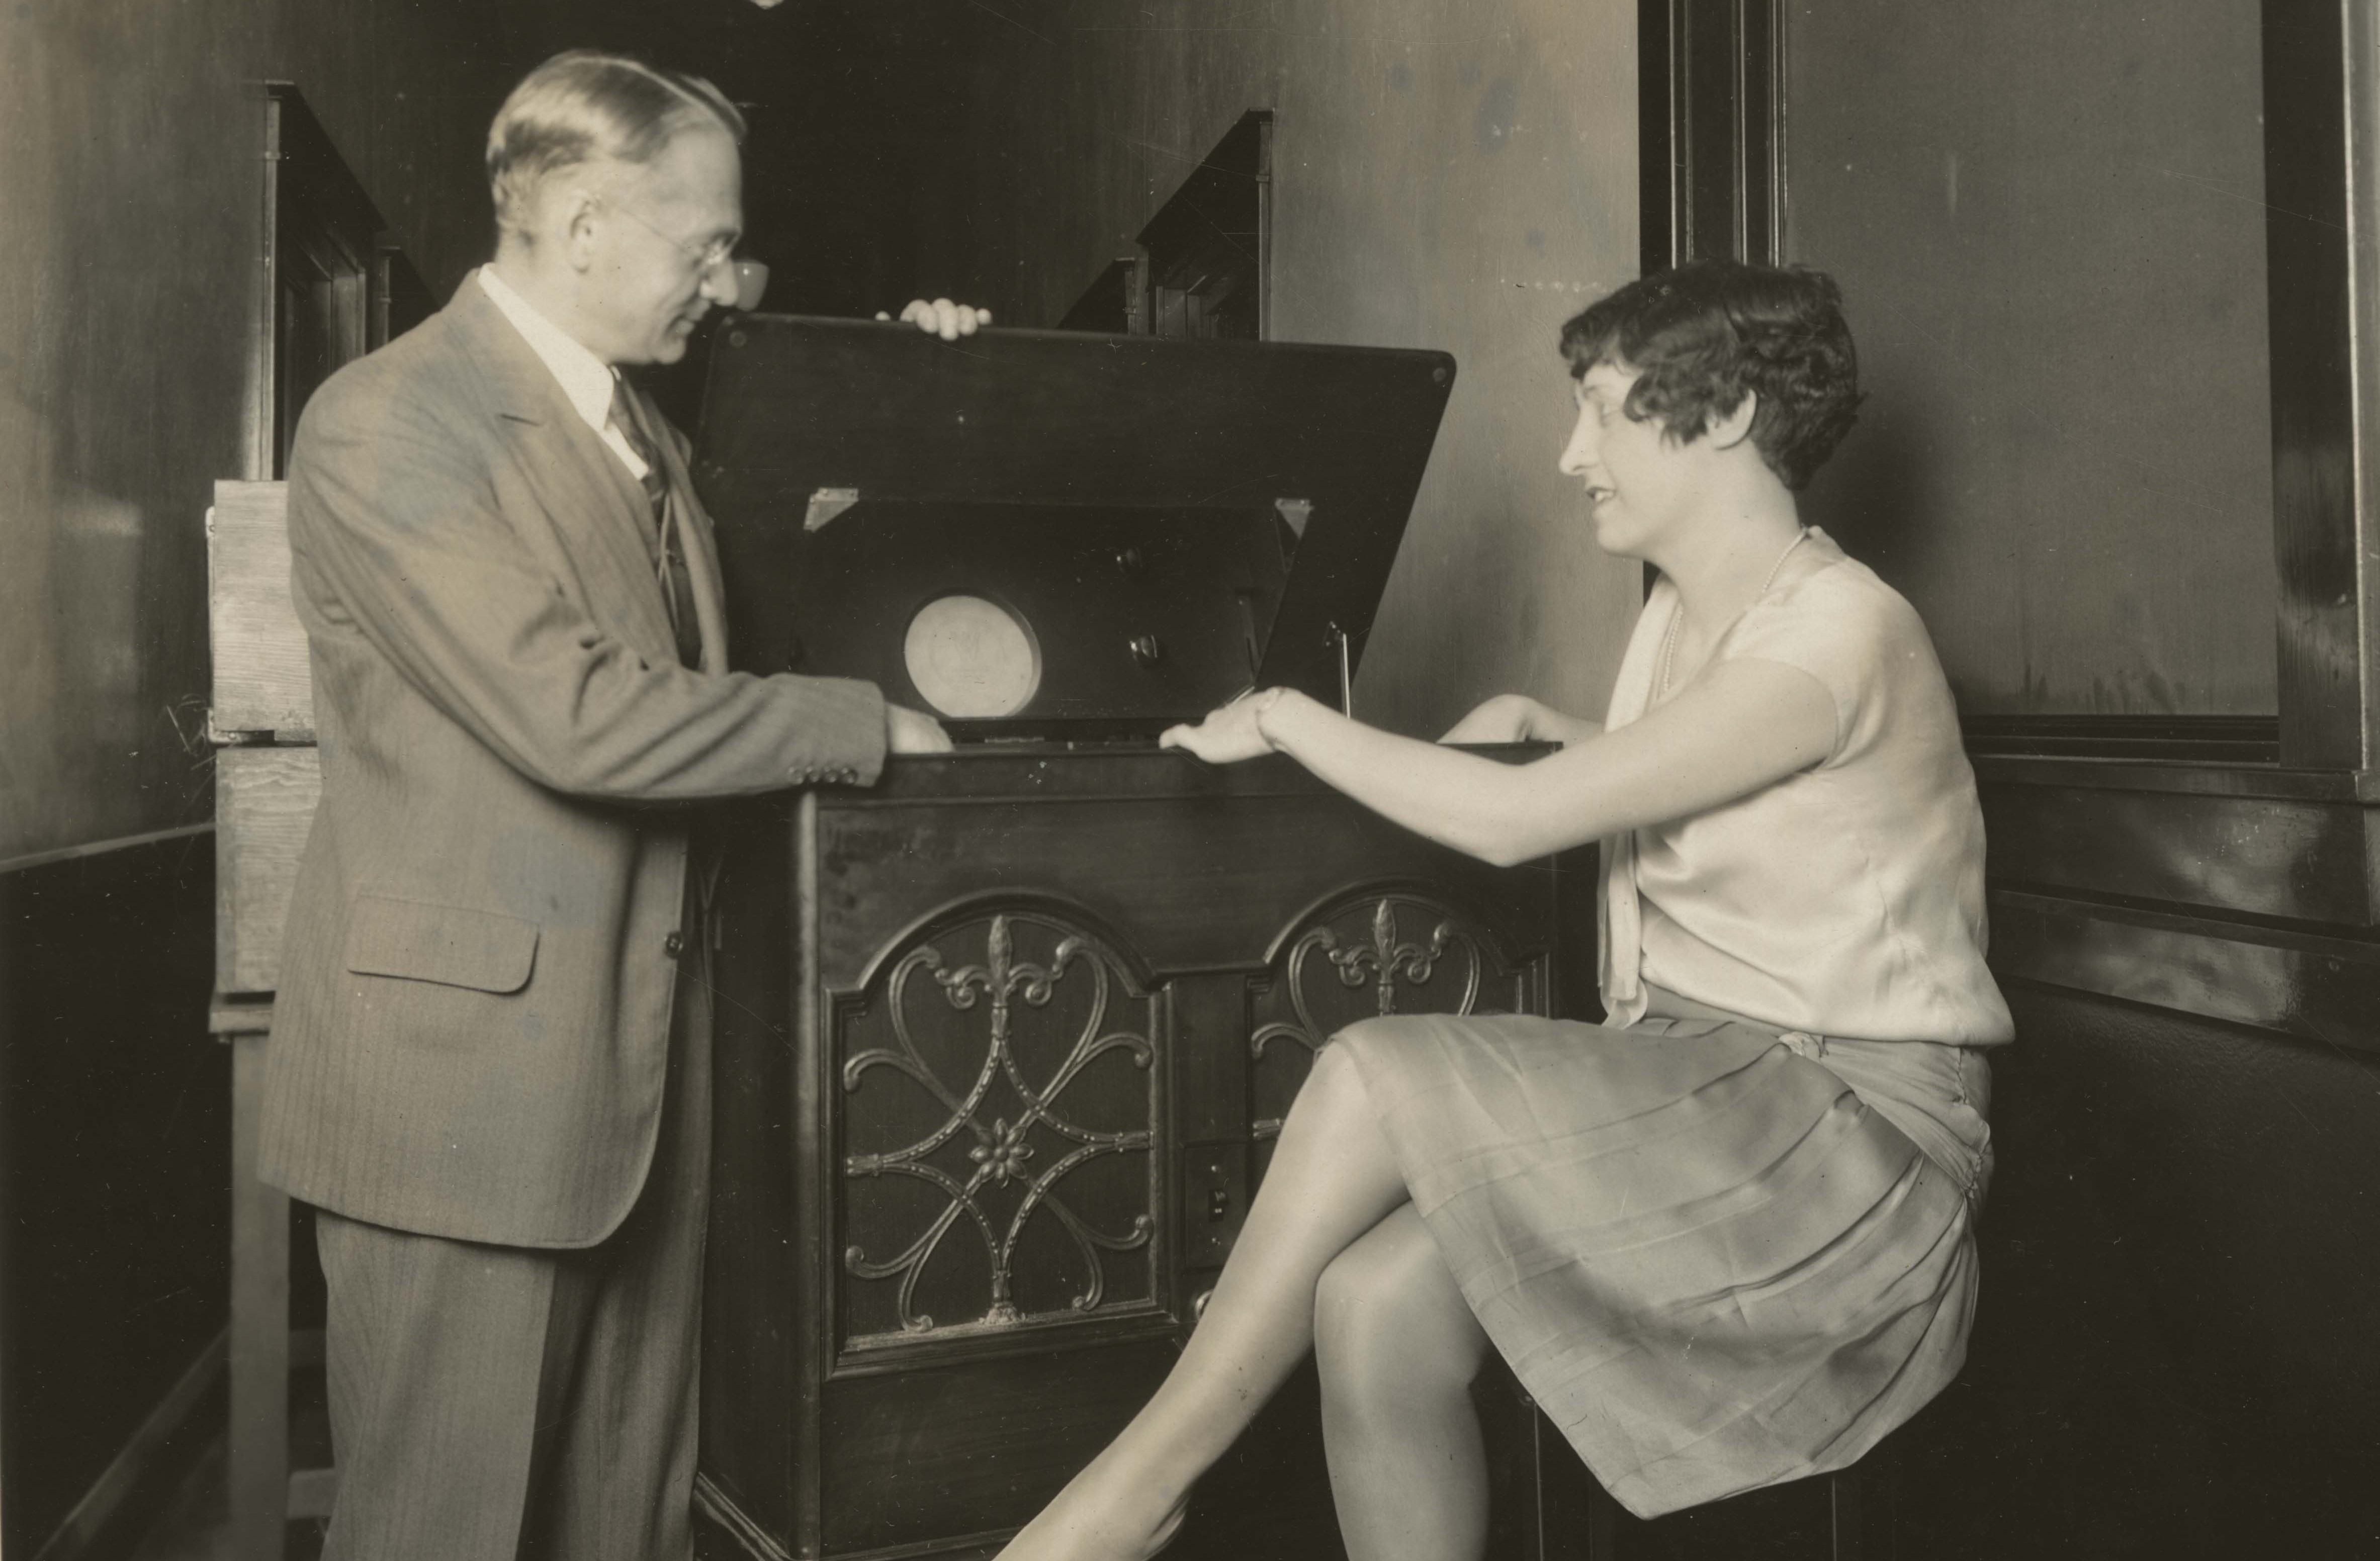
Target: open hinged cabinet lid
[{"x": 1050, "y": 533}]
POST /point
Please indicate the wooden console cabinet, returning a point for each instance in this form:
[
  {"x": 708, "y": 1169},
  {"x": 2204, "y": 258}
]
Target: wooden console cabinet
[
  {"x": 1002, "y": 1044},
  {"x": 1005, "y": 1039}
]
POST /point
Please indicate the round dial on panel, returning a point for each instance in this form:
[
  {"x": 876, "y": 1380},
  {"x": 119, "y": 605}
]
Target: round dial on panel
[{"x": 971, "y": 658}]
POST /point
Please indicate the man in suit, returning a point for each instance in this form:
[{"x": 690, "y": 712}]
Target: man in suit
[{"x": 490, "y": 1066}]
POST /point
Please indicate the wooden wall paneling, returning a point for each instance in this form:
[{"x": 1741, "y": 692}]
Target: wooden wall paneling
[
  {"x": 138, "y": 237},
  {"x": 265, "y": 800},
  {"x": 2363, "y": 93},
  {"x": 2300, "y": 861},
  {"x": 2306, "y": 985},
  {"x": 2322, "y": 154},
  {"x": 2173, "y": 1354},
  {"x": 1711, "y": 131}
]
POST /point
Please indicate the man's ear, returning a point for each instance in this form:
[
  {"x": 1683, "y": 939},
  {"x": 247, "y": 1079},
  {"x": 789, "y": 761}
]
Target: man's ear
[
  {"x": 1731, "y": 428},
  {"x": 576, "y": 216}
]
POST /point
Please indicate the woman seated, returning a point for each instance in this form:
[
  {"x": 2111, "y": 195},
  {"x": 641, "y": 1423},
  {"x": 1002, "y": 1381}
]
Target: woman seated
[{"x": 1725, "y": 1238}]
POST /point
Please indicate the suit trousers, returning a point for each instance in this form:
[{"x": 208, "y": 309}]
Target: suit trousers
[{"x": 491, "y": 1402}]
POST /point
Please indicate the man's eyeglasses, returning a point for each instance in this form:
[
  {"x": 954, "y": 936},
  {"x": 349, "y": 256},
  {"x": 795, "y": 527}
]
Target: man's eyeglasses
[{"x": 707, "y": 258}]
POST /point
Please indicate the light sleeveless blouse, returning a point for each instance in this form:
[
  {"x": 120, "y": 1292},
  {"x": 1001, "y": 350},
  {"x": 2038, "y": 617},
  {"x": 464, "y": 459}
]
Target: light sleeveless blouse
[{"x": 1848, "y": 899}]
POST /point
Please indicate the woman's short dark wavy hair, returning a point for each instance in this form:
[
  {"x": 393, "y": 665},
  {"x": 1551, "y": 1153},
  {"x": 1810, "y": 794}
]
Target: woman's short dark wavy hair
[{"x": 1701, "y": 336}]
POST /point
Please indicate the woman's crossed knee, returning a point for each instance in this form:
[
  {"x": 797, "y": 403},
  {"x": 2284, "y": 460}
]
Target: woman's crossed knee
[{"x": 1389, "y": 1323}]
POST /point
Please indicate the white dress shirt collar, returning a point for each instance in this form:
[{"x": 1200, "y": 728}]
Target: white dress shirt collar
[{"x": 585, "y": 378}]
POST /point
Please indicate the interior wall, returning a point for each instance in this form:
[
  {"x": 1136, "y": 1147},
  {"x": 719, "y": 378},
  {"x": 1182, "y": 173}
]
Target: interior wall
[
  {"x": 128, "y": 265},
  {"x": 1450, "y": 174},
  {"x": 858, "y": 165},
  {"x": 2047, "y": 218},
  {"x": 129, "y": 253}
]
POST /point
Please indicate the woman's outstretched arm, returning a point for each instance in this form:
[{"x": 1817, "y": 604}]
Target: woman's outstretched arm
[
  {"x": 1742, "y": 725},
  {"x": 1516, "y": 718}
]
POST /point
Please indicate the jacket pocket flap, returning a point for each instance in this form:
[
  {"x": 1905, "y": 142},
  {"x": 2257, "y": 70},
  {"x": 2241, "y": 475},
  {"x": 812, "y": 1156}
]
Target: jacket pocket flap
[{"x": 450, "y": 945}]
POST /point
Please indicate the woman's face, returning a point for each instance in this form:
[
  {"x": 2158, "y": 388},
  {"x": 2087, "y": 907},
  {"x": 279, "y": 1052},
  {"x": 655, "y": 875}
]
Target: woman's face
[{"x": 1636, "y": 476}]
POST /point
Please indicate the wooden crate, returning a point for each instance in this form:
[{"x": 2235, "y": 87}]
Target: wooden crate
[
  {"x": 266, "y": 787},
  {"x": 264, "y": 805},
  {"x": 262, "y": 681}
]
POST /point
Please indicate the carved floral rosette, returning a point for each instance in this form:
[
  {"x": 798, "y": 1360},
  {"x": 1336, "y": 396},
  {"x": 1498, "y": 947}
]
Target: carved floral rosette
[{"x": 1000, "y": 1108}]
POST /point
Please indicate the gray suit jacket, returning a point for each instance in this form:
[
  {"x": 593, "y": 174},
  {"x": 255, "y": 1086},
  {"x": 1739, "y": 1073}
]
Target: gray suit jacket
[{"x": 470, "y": 1035}]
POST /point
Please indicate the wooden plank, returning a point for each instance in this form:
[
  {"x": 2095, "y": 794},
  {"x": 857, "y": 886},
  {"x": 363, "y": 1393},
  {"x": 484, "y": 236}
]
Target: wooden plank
[
  {"x": 259, "y": 1440},
  {"x": 264, "y": 805},
  {"x": 262, "y": 681}
]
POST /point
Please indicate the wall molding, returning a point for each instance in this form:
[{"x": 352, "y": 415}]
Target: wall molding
[
  {"x": 2233, "y": 740},
  {"x": 101, "y": 848},
  {"x": 2301, "y": 987}
]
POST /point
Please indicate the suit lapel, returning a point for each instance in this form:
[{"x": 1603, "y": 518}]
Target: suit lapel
[{"x": 599, "y": 514}]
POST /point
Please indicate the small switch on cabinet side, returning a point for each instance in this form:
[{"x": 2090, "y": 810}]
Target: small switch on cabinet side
[{"x": 1214, "y": 1202}]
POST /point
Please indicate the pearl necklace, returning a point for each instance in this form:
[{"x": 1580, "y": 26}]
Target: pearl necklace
[{"x": 1670, "y": 636}]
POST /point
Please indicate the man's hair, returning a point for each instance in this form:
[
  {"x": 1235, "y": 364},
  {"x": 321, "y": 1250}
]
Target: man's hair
[
  {"x": 1701, "y": 336},
  {"x": 585, "y": 106}
]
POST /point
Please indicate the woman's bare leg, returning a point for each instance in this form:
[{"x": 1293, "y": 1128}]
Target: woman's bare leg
[
  {"x": 1331, "y": 1180},
  {"x": 1398, "y": 1348}
]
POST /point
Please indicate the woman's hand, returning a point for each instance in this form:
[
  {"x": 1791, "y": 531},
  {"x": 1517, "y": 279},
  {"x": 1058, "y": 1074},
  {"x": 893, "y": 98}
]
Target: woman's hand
[
  {"x": 939, "y": 317},
  {"x": 1227, "y": 735}
]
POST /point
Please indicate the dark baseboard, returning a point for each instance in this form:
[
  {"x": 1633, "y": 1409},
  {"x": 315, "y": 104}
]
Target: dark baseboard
[
  {"x": 113, "y": 1514},
  {"x": 115, "y": 1164}
]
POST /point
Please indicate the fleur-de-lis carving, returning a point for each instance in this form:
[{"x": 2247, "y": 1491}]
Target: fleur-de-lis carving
[
  {"x": 1378, "y": 957},
  {"x": 1385, "y": 962}
]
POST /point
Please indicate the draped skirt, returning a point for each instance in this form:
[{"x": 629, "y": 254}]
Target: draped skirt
[{"x": 1718, "y": 1257}]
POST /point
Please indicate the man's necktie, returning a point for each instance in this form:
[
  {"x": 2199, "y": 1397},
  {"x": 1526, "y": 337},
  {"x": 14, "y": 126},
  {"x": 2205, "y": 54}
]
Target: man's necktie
[
  {"x": 631, "y": 430},
  {"x": 628, "y": 419}
]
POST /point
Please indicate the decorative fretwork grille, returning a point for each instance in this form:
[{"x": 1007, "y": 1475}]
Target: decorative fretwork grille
[
  {"x": 1372, "y": 956},
  {"x": 1012, "y": 1097}
]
